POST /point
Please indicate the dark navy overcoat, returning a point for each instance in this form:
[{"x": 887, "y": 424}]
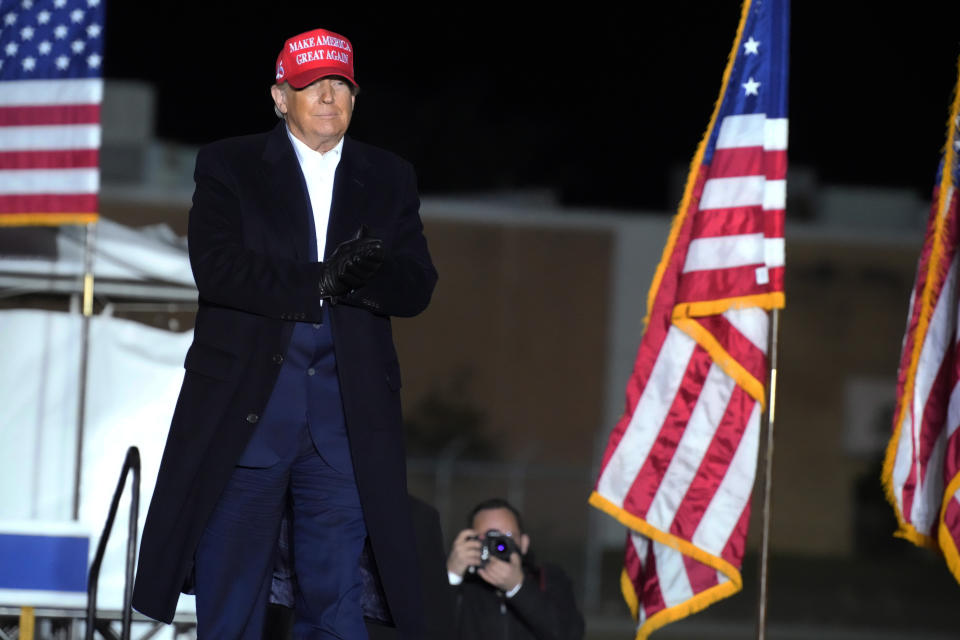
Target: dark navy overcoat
[{"x": 249, "y": 235}]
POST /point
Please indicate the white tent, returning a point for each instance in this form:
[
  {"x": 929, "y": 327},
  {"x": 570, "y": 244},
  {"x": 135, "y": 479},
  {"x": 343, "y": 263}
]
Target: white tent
[
  {"x": 147, "y": 262},
  {"x": 133, "y": 375}
]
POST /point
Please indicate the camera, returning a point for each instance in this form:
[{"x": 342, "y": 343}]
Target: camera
[{"x": 496, "y": 544}]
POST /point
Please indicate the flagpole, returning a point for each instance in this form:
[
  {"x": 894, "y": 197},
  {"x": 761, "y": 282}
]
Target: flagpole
[
  {"x": 766, "y": 455},
  {"x": 88, "y": 238}
]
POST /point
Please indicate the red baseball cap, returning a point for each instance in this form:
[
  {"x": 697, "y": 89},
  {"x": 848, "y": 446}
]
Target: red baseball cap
[{"x": 314, "y": 55}]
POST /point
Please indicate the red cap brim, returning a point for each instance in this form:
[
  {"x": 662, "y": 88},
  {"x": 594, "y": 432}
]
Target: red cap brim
[{"x": 304, "y": 78}]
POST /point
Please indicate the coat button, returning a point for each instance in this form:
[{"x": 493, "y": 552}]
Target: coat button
[
  {"x": 311, "y": 371},
  {"x": 252, "y": 418},
  {"x": 277, "y": 358}
]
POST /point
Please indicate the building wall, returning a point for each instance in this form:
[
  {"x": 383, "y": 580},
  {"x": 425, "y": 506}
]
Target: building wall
[{"x": 522, "y": 313}]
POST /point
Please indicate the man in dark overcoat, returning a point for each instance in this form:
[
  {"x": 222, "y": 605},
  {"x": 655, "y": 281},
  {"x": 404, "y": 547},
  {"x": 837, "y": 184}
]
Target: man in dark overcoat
[{"x": 303, "y": 244}]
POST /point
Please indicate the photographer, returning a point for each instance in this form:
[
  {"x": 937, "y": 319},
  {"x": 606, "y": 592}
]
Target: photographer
[{"x": 500, "y": 592}]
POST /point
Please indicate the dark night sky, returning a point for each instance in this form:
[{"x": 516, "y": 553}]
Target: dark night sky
[{"x": 597, "y": 105}]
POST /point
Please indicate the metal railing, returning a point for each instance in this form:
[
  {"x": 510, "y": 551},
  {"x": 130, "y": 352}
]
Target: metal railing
[{"x": 131, "y": 462}]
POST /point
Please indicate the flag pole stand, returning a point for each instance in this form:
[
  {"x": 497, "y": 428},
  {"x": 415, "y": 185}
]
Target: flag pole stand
[
  {"x": 766, "y": 456},
  {"x": 88, "y": 238}
]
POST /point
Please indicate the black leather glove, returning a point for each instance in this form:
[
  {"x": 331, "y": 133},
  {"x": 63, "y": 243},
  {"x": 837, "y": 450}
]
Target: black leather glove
[{"x": 351, "y": 265}]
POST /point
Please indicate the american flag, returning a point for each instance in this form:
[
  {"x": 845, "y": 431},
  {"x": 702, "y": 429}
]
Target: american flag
[
  {"x": 51, "y": 55},
  {"x": 679, "y": 467},
  {"x": 921, "y": 473}
]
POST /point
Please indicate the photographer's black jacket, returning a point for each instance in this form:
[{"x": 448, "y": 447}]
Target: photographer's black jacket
[{"x": 543, "y": 609}]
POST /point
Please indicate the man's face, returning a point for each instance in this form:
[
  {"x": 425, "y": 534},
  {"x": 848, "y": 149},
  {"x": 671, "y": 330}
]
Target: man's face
[
  {"x": 503, "y": 521},
  {"x": 318, "y": 114}
]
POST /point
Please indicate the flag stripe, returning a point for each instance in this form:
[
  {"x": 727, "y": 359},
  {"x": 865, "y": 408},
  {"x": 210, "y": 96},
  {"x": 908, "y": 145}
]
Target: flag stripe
[
  {"x": 776, "y": 134},
  {"x": 774, "y": 219},
  {"x": 899, "y": 465},
  {"x": 926, "y": 501},
  {"x": 939, "y": 335},
  {"x": 752, "y": 324},
  {"x": 71, "y": 158},
  {"x": 666, "y": 376},
  {"x": 749, "y": 161},
  {"x": 45, "y": 92},
  {"x": 720, "y": 519},
  {"x": 745, "y": 130},
  {"x": 752, "y": 130},
  {"x": 695, "y": 427},
  {"x": 932, "y": 365},
  {"x": 671, "y": 576},
  {"x": 727, "y": 193},
  {"x": 774, "y": 252},
  {"x": 935, "y": 412},
  {"x": 58, "y": 181},
  {"x": 743, "y": 191},
  {"x": 953, "y": 413},
  {"x": 737, "y": 542},
  {"x": 737, "y": 346},
  {"x": 52, "y": 137},
  {"x": 657, "y": 332},
  {"x": 642, "y": 494},
  {"x": 722, "y": 252},
  {"x": 652, "y": 595},
  {"x": 775, "y": 195},
  {"x": 737, "y": 282},
  {"x": 711, "y": 470},
  {"x": 51, "y": 114},
  {"x": 730, "y": 222},
  {"x": 700, "y": 576},
  {"x": 48, "y": 203},
  {"x": 903, "y": 462}
]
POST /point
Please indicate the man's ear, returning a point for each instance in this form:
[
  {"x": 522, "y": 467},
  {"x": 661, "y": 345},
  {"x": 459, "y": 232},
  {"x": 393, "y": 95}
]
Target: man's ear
[
  {"x": 524, "y": 543},
  {"x": 279, "y": 98}
]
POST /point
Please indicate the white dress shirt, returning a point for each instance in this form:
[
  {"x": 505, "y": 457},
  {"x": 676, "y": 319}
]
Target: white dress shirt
[{"x": 318, "y": 170}]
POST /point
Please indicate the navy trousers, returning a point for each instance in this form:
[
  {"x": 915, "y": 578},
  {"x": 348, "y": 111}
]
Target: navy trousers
[{"x": 298, "y": 462}]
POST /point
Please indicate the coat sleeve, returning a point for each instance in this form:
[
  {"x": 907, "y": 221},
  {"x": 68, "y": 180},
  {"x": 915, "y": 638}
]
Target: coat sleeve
[
  {"x": 550, "y": 613},
  {"x": 230, "y": 274},
  {"x": 404, "y": 283}
]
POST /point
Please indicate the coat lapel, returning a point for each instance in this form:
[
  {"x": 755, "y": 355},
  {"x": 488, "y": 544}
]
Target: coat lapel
[
  {"x": 288, "y": 193},
  {"x": 348, "y": 208}
]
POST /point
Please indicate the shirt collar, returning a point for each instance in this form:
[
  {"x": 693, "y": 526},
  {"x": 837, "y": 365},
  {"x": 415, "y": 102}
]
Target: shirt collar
[{"x": 306, "y": 154}]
